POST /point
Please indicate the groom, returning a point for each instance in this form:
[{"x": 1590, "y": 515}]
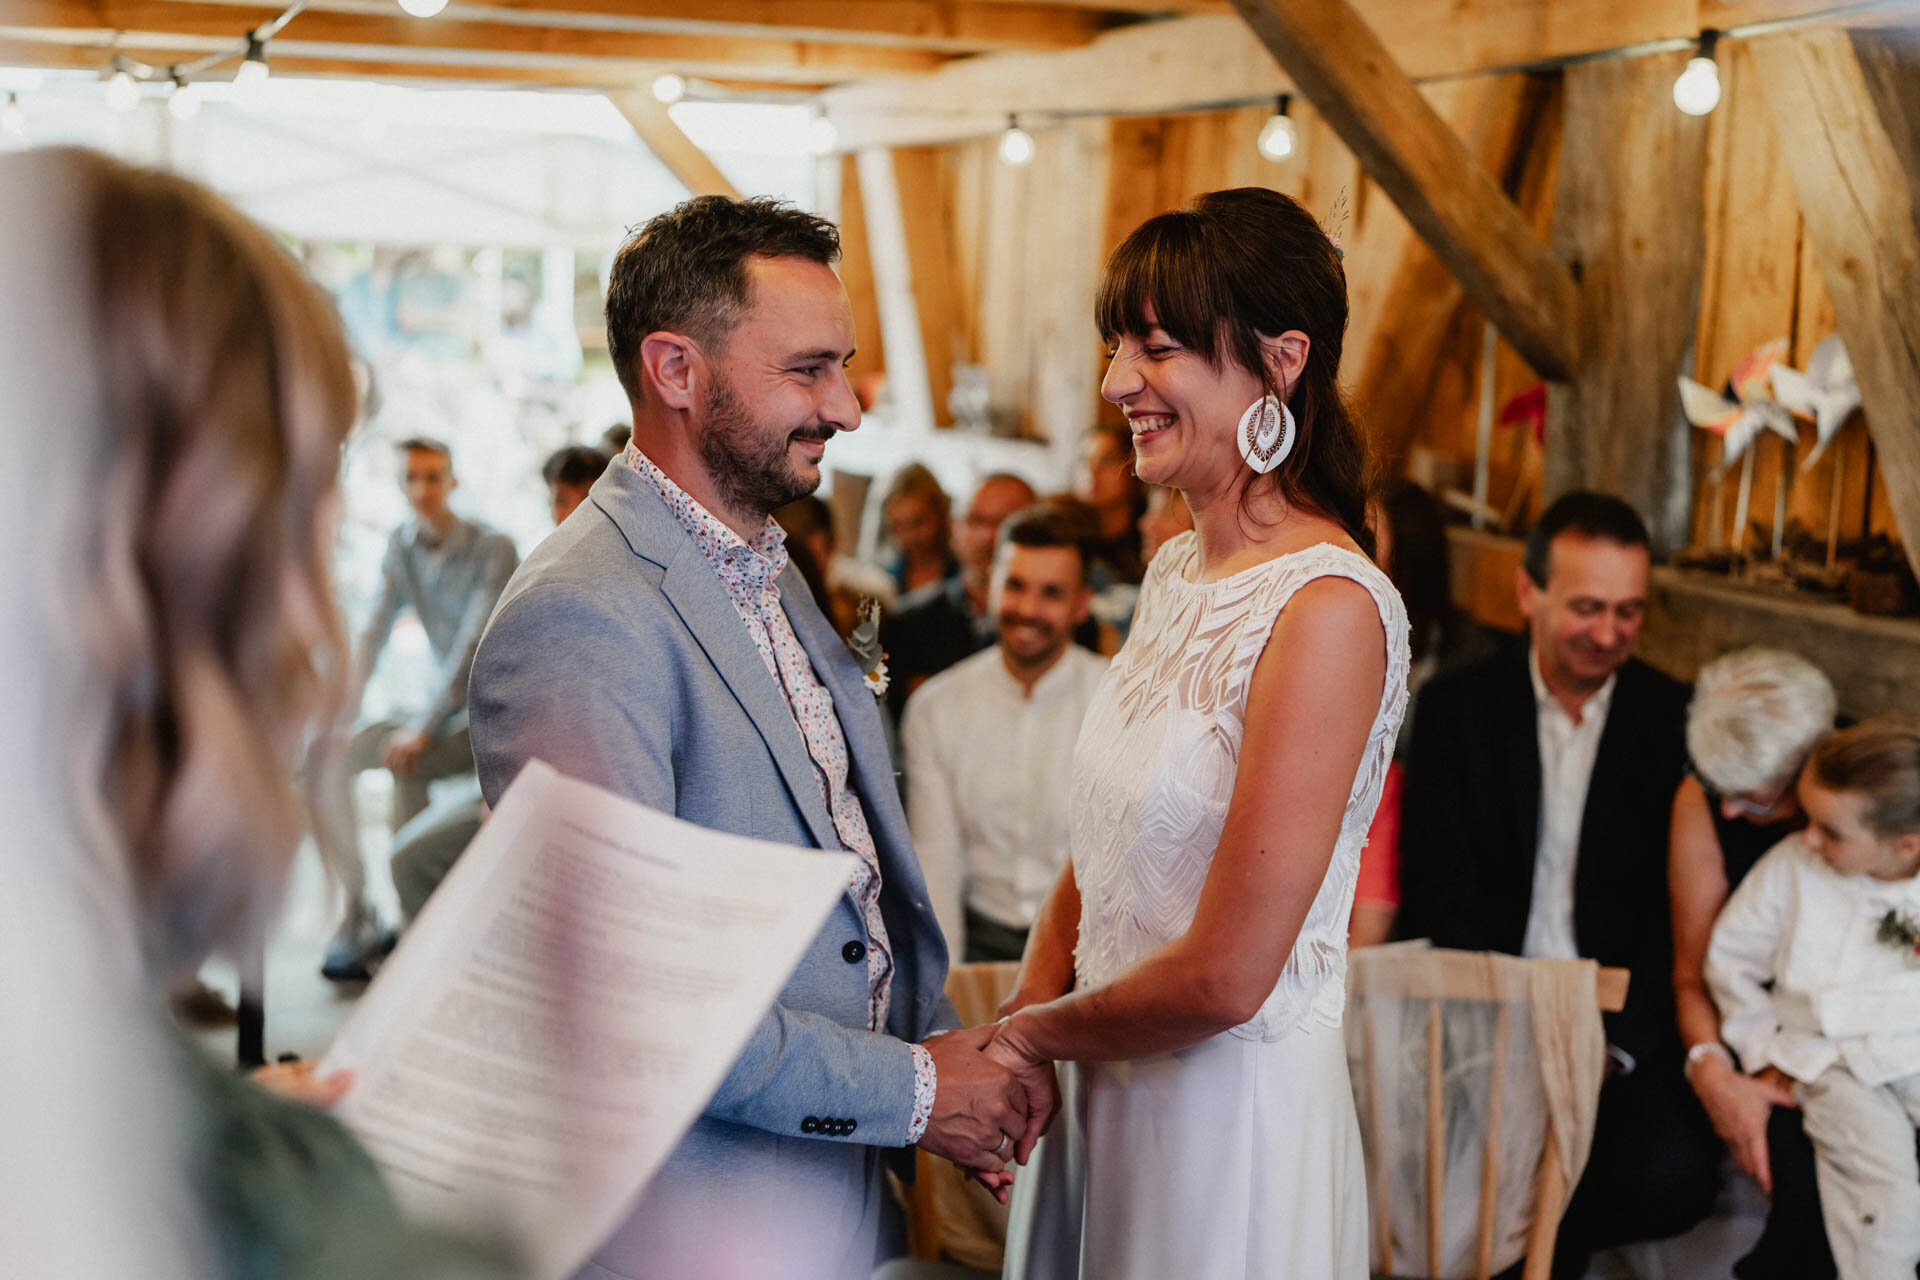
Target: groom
[{"x": 659, "y": 644}]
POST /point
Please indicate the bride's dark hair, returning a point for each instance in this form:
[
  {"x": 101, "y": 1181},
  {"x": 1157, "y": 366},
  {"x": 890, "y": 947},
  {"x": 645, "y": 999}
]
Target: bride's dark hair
[{"x": 1217, "y": 276}]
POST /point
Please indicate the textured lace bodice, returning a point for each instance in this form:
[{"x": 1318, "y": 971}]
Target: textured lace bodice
[{"x": 1154, "y": 770}]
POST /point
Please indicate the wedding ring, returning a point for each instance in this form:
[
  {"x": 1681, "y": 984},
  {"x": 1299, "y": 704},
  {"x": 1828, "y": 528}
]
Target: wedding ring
[{"x": 1004, "y": 1140}]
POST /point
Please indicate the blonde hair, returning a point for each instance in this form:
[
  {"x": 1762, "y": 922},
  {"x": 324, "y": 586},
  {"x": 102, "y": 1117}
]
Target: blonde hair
[
  {"x": 1755, "y": 714},
  {"x": 225, "y": 393},
  {"x": 1883, "y": 761}
]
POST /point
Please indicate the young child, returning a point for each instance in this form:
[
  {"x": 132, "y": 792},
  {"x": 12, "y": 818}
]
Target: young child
[{"x": 1815, "y": 969}]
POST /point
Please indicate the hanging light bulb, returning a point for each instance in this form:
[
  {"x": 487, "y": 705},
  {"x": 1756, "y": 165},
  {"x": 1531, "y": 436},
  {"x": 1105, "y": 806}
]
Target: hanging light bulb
[
  {"x": 821, "y": 135},
  {"x": 184, "y": 101},
  {"x": 1697, "y": 91},
  {"x": 1278, "y": 137},
  {"x": 423, "y": 8},
  {"x": 13, "y": 118},
  {"x": 123, "y": 94},
  {"x": 1016, "y": 144},
  {"x": 253, "y": 68},
  {"x": 670, "y": 88}
]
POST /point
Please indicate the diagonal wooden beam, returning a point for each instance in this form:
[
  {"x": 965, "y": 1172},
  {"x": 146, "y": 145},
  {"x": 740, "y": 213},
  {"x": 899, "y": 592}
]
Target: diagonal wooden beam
[
  {"x": 685, "y": 160},
  {"x": 1342, "y": 68}
]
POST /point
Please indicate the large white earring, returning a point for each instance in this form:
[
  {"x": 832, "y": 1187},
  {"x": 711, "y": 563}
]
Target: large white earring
[{"x": 1266, "y": 434}]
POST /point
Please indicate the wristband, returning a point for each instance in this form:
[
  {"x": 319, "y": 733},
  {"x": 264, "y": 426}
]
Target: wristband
[{"x": 1707, "y": 1049}]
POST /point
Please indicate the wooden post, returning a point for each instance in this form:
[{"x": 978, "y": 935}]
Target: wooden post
[
  {"x": 907, "y": 385},
  {"x": 1848, "y": 110},
  {"x": 1616, "y": 426},
  {"x": 676, "y": 150}
]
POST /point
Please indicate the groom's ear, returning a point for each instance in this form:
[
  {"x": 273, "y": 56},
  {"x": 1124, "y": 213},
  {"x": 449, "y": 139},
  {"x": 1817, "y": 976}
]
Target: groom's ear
[{"x": 668, "y": 368}]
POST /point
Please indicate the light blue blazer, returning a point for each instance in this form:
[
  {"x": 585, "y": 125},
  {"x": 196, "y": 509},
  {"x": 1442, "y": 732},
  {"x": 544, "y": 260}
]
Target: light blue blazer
[{"x": 616, "y": 656}]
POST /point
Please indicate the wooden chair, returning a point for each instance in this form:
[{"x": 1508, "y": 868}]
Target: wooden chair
[
  {"x": 1438, "y": 976},
  {"x": 948, "y": 1216}
]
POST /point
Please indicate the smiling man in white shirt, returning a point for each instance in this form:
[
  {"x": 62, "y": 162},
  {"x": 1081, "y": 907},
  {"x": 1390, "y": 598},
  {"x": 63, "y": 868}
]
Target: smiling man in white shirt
[{"x": 989, "y": 744}]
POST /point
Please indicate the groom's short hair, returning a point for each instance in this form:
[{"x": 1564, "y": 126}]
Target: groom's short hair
[{"x": 685, "y": 271}]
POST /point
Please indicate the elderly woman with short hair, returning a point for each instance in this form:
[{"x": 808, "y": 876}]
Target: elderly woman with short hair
[{"x": 1755, "y": 716}]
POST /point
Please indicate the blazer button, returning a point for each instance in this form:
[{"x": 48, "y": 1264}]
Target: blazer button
[
  {"x": 852, "y": 1125},
  {"x": 854, "y": 952},
  {"x": 810, "y": 1125}
]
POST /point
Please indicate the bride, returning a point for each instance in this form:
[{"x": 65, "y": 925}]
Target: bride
[{"x": 1189, "y": 968}]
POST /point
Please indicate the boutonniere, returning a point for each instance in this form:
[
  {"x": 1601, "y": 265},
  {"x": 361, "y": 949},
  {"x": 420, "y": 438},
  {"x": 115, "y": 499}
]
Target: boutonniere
[
  {"x": 865, "y": 643},
  {"x": 1898, "y": 930}
]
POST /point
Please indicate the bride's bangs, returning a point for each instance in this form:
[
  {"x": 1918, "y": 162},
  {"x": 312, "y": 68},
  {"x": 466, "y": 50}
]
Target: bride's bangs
[{"x": 1164, "y": 270}]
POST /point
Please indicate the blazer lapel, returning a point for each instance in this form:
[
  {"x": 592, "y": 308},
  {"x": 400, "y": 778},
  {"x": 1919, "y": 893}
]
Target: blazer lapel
[
  {"x": 694, "y": 590},
  {"x": 1519, "y": 722}
]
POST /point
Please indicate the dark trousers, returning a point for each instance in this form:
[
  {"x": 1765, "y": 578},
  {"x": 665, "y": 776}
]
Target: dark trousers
[
  {"x": 1793, "y": 1245},
  {"x": 989, "y": 941},
  {"x": 1653, "y": 1173}
]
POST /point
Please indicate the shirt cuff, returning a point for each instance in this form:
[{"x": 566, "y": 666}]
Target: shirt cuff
[{"x": 925, "y": 1082}]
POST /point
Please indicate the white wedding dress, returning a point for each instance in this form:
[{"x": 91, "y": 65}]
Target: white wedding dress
[{"x": 1238, "y": 1156}]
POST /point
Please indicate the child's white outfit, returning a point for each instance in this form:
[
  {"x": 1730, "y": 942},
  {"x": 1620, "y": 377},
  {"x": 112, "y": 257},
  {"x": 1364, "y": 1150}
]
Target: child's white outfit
[{"x": 1843, "y": 1019}]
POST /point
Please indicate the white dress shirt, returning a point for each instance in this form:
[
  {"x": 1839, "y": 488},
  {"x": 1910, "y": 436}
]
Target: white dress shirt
[
  {"x": 1839, "y": 994},
  {"x": 989, "y": 769},
  {"x": 1567, "y": 751}
]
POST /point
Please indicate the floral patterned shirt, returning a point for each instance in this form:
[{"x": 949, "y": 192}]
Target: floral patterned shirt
[{"x": 750, "y": 572}]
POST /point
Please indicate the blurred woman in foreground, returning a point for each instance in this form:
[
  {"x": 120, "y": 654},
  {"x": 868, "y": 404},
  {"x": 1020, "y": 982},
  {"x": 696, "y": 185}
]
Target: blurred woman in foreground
[{"x": 176, "y": 409}]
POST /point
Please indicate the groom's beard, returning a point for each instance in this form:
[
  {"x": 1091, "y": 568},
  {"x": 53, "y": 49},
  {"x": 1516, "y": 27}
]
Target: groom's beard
[{"x": 747, "y": 460}]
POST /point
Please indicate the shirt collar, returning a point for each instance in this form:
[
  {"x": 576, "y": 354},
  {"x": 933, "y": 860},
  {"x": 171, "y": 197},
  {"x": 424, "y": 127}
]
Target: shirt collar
[
  {"x": 752, "y": 566},
  {"x": 1595, "y": 707}
]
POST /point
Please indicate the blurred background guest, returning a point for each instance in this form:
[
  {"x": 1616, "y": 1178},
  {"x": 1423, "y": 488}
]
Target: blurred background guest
[
  {"x": 569, "y": 473},
  {"x": 1755, "y": 715},
  {"x": 449, "y": 571},
  {"x": 939, "y": 625},
  {"x": 989, "y": 745},
  {"x": 1107, "y": 483},
  {"x": 915, "y": 516},
  {"x": 1166, "y": 516}
]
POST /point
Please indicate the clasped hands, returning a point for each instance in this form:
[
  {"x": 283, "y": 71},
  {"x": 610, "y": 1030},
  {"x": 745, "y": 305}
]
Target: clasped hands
[{"x": 993, "y": 1100}]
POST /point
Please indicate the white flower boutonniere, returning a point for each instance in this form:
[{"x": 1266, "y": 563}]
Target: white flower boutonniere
[{"x": 865, "y": 643}]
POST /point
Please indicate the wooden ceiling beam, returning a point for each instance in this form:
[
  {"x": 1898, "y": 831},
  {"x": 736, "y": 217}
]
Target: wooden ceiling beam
[
  {"x": 609, "y": 74},
  {"x": 1342, "y": 68},
  {"x": 754, "y": 55},
  {"x": 946, "y": 26},
  {"x": 682, "y": 156}
]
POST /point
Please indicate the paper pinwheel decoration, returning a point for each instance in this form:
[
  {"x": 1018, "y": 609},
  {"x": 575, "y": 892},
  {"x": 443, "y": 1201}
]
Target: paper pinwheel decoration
[
  {"x": 1740, "y": 421},
  {"x": 1530, "y": 407},
  {"x": 1827, "y": 392}
]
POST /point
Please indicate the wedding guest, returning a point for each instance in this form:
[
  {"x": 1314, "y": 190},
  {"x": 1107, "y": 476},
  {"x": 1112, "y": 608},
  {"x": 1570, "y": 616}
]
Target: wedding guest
[
  {"x": 1412, "y": 542},
  {"x": 185, "y": 656},
  {"x": 915, "y": 513},
  {"x": 1107, "y": 483},
  {"x": 449, "y": 571},
  {"x": 939, "y": 625},
  {"x": 1538, "y": 787},
  {"x": 569, "y": 473},
  {"x": 1166, "y": 516},
  {"x": 1755, "y": 715},
  {"x": 989, "y": 745},
  {"x": 613, "y": 441},
  {"x": 846, "y": 584},
  {"x": 1811, "y": 962}
]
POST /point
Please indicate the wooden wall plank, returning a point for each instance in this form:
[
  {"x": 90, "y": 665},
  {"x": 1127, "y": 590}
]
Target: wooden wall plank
[
  {"x": 856, "y": 273},
  {"x": 1868, "y": 246},
  {"x": 1617, "y": 424},
  {"x": 918, "y": 170}
]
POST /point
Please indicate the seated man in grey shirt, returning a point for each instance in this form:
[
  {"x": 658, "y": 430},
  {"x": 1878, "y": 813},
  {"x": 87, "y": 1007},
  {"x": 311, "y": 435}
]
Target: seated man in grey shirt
[{"x": 450, "y": 572}]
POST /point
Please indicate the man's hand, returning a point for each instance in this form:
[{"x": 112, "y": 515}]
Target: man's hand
[
  {"x": 1035, "y": 1074},
  {"x": 1740, "y": 1107},
  {"x": 403, "y": 751},
  {"x": 296, "y": 1081},
  {"x": 979, "y": 1106}
]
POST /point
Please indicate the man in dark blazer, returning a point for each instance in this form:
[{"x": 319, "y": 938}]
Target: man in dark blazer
[{"x": 1538, "y": 792}]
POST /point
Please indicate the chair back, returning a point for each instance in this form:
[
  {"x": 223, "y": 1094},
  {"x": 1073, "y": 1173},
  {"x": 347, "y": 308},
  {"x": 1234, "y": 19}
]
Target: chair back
[{"x": 1476, "y": 1078}]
